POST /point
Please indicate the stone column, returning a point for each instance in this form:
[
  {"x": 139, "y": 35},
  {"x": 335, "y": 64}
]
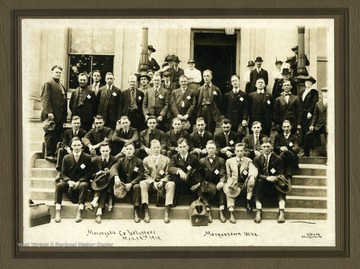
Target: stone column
[
  {"x": 301, "y": 68},
  {"x": 144, "y": 57}
]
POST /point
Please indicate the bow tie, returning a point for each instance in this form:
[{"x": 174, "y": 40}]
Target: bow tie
[
  {"x": 287, "y": 94},
  {"x": 261, "y": 92}
]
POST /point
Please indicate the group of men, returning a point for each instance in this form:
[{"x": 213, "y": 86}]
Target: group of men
[{"x": 138, "y": 140}]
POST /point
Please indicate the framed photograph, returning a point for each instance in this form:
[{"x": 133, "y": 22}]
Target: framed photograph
[{"x": 311, "y": 41}]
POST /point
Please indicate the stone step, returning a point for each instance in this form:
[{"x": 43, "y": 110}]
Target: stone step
[
  {"x": 308, "y": 191},
  {"x": 126, "y": 211},
  {"x": 43, "y": 172},
  {"x": 312, "y": 160},
  {"x": 311, "y": 169},
  {"x": 306, "y": 202},
  {"x": 309, "y": 180},
  {"x": 46, "y": 183},
  {"x": 42, "y": 163}
]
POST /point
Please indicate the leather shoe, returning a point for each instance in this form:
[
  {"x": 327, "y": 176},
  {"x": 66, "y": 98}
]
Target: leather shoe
[
  {"x": 146, "y": 217},
  {"x": 232, "y": 217},
  {"x": 248, "y": 208},
  {"x": 305, "y": 155},
  {"x": 281, "y": 218},
  {"x": 98, "y": 219},
  {"x": 57, "y": 216},
  {"x": 258, "y": 216},
  {"x": 51, "y": 159},
  {"x": 210, "y": 217},
  {"x": 222, "y": 217},
  {"x": 78, "y": 216},
  {"x": 166, "y": 216},
  {"x": 136, "y": 216},
  {"x": 90, "y": 208}
]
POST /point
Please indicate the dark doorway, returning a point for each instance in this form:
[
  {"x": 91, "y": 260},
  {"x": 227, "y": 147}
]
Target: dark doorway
[{"x": 216, "y": 52}]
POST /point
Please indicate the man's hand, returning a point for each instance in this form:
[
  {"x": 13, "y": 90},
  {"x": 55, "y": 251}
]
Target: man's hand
[
  {"x": 309, "y": 115},
  {"x": 128, "y": 186},
  {"x": 99, "y": 172},
  {"x": 257, "y": 153},
  {"x": 147, "y": 150},
  {"x": 186, "y": 116},
  {"x": 244, "y": 123},
  {"x": 182, "y": 174},
  {"x": 283, "y": 148},
  {"x": 203, "y": 151},
  {"x": 311, "y": 128},
  {"x": 228, "y": 154},
  {"x": 219, "y": 186},
  {"x": 160, "y": 118},
  {"x": 225, "y": 149},
  {"x": 68, "y": 150},
  {"x": 117, "y": 181},
  {"x": 50, "y": 116},
  {"x": 195, "y": 187},
  {"x": 271, "y": 178},
  {"x": 71, "y": 183},
  {"x": 159, "y": 185}
]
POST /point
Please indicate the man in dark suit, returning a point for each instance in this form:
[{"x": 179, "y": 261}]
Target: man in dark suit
[
  {"x": 286, "y": 145},
  {"x": 131, "y": 104},
  {"x": 124, "y": 134},
  {"x": 65, "y": 146},
  {"x": 109, "y": 102},
  {"x": 199, "y": 138},
  {"x": 157, "y": 179},
  {"x": 156, "y": 102},
  {"x": 253, "y": 141},
  {"x": 184, "y": 169},
  {"x": 269, "y": 166},
  {"x": 129, "y": 170},
  {"x": 153, "y": 65},
  {"x": 278, "y": 86},
  {"x": 213, "y": 171},
  {"x": 318, "y": 124},
  {"x": 288, "y": 107},
  {"x": 257, "y": 73},
  {"x": 225, "y": 140},
  {"x": 176, "y": 71},
  {"x": 83, "y": 103},
  {"x": 236, "y": 106},
  {"x": 95, "y": 87},
  {"x": 96, "y": 136},
  {"x": 171, "y": 137},
  {"x": 74, "y": 179},
  {"x": 294, "y": 60},
  {"x": 103, "y": 191},
  {"x": 147, "y": 135},
  {"x": 183, "y": 102},
  {"x": 209, "y": 102},
  {"x": 167, "y": 83},
  {"x": 261, "y": 107},
  {"x": 143, "y": 80},
  {"x": 54, "y": 107}
]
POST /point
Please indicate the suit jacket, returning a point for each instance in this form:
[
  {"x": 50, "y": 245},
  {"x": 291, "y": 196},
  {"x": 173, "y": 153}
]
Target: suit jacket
[
  {"x": 213, "y": 172},
  {"x": 292, "y": 143},
  {"x": 220, "y": 140},
  {"x": 175, "y": 74},
  {"x": 54, "y": 100},
  {"x": 183, "y": 103},
  {"x": 287, "y": 111},
  {"x": 293, "y": 65},
  {"x": 85, "y": 111},
  {"x": 254, "y": 76},
  {"x": 249, "y": 141},
  {"x": 215, "y": 100},
  {"x": 159, "y": 172},
  {"x": 170, "y": 138},
  {"x": 129, "y": 171},
  {"x": 319, "y": 119},
  {"x": 308, "y": 105},
  {"x": 69, "y": 134},
  {"x": 191, "y": 166},
  {"x": 109, "y": 105},
  {"x": 261, "y": 110},
  {"x": 76, "y": 171},
  {"x": 196, "y": 141},
  {"x": 145, "y": 138},
  {"x": 275, "y": 167},
  {"x": 93, "y": 137},
  {"x": 236, "y": 107},
  {"x": 119, "y": 137},
  {"x": 97, "y": 164},
  {"x": 153, "y": 65},
  {"x": 137, "y": 117},
  {"x": 156, "y": 104},
  {"x": 277, "y": 89},
  {"x": 247, "y": 169},
  {"x": 170, "y": 88}
]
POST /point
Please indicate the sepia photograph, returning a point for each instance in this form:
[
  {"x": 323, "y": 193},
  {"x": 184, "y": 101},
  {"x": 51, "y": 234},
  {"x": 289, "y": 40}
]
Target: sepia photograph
[{"x": 178, "y": 133}]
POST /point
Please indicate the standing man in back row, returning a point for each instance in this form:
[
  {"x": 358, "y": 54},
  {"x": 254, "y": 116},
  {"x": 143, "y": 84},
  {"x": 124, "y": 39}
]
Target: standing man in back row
[{"x": 257, "y": 73}]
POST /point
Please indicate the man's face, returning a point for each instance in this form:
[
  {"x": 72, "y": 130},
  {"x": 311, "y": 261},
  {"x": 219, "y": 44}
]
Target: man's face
[
  {"x": 109, "y": 79},
  {"x": 287, "y": 86},
  {"x": 235, "y": 82},
  {"x": 308, "y": 84},
  {"x": 105, "y": 151},
  {"x": 76, "y": 124},
  {"x": 129, "y": 150},
  {"x": 144, "y": 81},
  {"x": 176, "y": 125},
  {"x": 286, "y": 127},
  {"x": 99, "y": 124},
  {"x": 156, "y": 80},
  {"x": 152, "y": 124},
  {"x": 183, "y": 82},
  {"x": 96, "y": 76},
  {"x": 258, "y": 64},
  {"x": 296, "y": 52},
  {"x": 287, "y": 76},
  {"x": 56, "y": 73},
  {"x": 155, "y": 148},
  {"x": 251, "y": 68},
  {"x": 83, "y": 81},
  {"x": 171, "y": 63},
  {"x": 211, "y": 149},
  {"x": 183, "y": 148},
  {"x": 125, "y": 124},
  {"x": 266, "y": 148},
  {"x": 324, "y": 94},
  {"x": 150, "y": 74},
  {"x": 256, "y": 128},
  {"x": 149, "y": 52},
  {"x": 200, "y": 125},
  {"x": 207, "y": 77},
  {"x": 176, "y": 64},
  {"x": 260, "y": 84},
  {"x": 226, "y": 127},
  {"x": 76, "y": 145},
  {"x": 132, "y": 82},
  {"x": 239, "y": 152},
  {"x": 278, "y": 66},
  {"x": 167, "y": 79}
]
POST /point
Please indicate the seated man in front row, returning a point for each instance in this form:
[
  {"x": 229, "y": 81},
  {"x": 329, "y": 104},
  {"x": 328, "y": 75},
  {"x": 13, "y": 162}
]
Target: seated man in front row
[
  {"x": 156, "y": 168},
  {"x": 74, "y": 179},
  {"x": 253, "y": 141},
  {"x": 129, "y": 171},
  {"x": 241, "y": 177}
]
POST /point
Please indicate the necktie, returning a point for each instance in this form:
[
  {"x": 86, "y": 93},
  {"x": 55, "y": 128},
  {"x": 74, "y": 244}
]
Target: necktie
[
  {"x": 227, "y": 139},
  {"x": 256, "y": 140},
  {"x": 267, "y": 164},
  {"x": 104, "y": 163},
  {"x": 76, "y": 156}
]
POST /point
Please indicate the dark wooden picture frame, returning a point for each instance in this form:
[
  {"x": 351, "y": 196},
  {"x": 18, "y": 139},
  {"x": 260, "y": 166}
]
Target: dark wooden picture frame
[{"x": 344, "y": 255}]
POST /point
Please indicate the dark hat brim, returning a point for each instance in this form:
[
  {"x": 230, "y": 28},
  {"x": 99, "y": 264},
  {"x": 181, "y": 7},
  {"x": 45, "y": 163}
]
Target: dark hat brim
[
  {"x": 285, "y": 187},
  {"x": 310, "y": 79},
  {"x": 103, "y": 185},
  {"x": 209, "y": 194}
]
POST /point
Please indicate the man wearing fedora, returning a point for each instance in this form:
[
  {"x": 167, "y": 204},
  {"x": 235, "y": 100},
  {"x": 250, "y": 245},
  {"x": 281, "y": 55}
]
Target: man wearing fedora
[
  {"x": 157, "y": 179},
  {"x": 257, "y": 73},
  {"x": 176, "y": 71},
  {"x": 250, "y": 66},
  {"x": 253, "y": 141},
  {"x": 240, "y": 178},
  {"x": 101, "y": 182},
  {"x": 270, "y": 182},
  {"x": 294, "y": 60},
  {"x": 193, "y": 75},
  {"x": 278, "y": 85},
  {"x": 127, "y": 173},
  {"x": 143, "y": 80},
  {"x": 318, "y": 124},
  {"x": 74, "y": 179},
  {"x": 213, "y": 174},
  {"x": 153, "y": 65},
  {"x": 199, "y": 138}
]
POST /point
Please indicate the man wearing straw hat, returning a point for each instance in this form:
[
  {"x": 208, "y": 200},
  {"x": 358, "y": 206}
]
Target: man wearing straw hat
[{"x": 240, "y": 178}]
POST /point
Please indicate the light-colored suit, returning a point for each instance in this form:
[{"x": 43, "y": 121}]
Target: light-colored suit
[{"x": 155, "y": 172}]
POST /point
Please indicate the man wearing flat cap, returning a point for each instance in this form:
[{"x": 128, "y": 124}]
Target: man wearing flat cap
[
  {"x": 193, "y": 75},
  {"x": 153, "y": 65},
  {"x": 257, "y": 73}
]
